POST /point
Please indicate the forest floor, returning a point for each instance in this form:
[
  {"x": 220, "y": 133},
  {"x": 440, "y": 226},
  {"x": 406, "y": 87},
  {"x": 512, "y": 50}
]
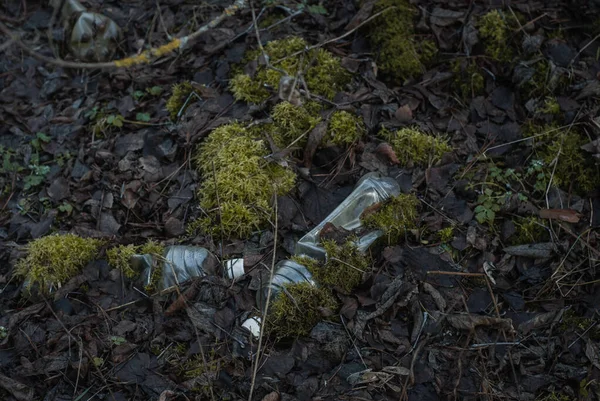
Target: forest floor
[{"x": 491, "y": 292}]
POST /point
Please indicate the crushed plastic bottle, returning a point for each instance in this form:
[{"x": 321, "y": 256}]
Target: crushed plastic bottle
[
  {"x": 179, "y": 264},
  {"x": 286, "y": 272},
  {"x": 90, "y": 36},
  {"x": 370, "y": 189}
]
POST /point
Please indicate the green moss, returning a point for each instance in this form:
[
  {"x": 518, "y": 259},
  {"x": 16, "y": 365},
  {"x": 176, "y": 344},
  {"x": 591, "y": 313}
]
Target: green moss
[
  {"x": 551, "y": 106},
  {"x": 562, "y": 154},
  {"x": 344, "y": 268},
  {"x": 181, "y": 91},
  {"x": 401, "y": 54},
  {"x": 468, "y": 80},
  {"x": 395, "y": 217},
  {"x": 323, "y": 73},
  {"x": 291, "y": 122},
  {"x": 52, "y": 260},
  {"x": 344, "y": 128},
  {"x": 119, "y": 257},
  {"x": 238, "y": 184},
  {"x": 494, "y": 30},
  {"x": 297, "y": 309},
  {"x": 446, "y": 234},
  {"x": 415, "y": 147},
  {"x": 529, "y": 230}
]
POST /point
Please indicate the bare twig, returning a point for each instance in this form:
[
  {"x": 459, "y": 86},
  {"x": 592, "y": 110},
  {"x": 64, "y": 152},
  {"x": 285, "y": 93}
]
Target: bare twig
[
  {"x": 143, "y": 58},
  {"x": 266, "y": 307}
]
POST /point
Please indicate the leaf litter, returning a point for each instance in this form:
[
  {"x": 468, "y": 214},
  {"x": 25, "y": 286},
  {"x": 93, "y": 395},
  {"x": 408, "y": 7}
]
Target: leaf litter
[{"x": 494, "y": 294}]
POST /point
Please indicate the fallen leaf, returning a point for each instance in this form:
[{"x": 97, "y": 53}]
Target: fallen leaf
[
  {"x": 386, "y": 150},
  {"x": 403, "y": 114},
  {"x": 568, "y": 215}
]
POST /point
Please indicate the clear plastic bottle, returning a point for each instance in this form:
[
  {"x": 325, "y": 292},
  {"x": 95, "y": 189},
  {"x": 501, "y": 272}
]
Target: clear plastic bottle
[
  {"x": 370, "y": 189},
  {"x": 179, "y": 263},
  {"x": 286, "y": 272}
]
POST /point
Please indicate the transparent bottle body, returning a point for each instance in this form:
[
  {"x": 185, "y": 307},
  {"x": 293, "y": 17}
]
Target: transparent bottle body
[
  {"x": 370, "y": 190},
  {"x": 286, "y": 272},
  {"x": 178, "y": 264}
]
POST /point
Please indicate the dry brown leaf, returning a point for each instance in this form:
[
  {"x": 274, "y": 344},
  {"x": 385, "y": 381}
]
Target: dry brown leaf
[
  {"x": 386, "y": 150},
  {"x": 568, "y": 215},
  {"x": 403, "y": 114},
  {"x": 272, "y": 396}
]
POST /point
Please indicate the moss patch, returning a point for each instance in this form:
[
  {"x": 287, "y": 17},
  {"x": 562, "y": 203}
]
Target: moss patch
[
  {"x": 343, "y": 269},
  {"x": 494, "y": 30},
  {"x": 322, "y": 72},
  {"x": 120, "y": 257},
  {"x": 53, "y": 260},
  {"x": 181, "y": 91},
  {"x": 345, "y": 128},
  {"x": 292, "y": 122},
  {"x": 238, "y": 183},
  {"x": 401, "y": 53},
  {"x": 395, "y": 217},
  {"x": 297, "y": 309},
  {"x": 415, "y": 147}
]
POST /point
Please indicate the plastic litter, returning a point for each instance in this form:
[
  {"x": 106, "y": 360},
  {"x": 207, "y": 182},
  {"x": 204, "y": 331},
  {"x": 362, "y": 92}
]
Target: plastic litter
[
  {"x": 234, "y": 268},
  {"x": 370, "y": 189},
  {"x": 178, "y": 264},
  {"x": 286, "y": 272},
  {"x": 89, "y": 36}
]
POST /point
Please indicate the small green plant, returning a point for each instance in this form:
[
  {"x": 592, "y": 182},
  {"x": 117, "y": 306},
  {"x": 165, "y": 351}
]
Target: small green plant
[
  {"x": 496, "y": 191},
  {"x": 297, "y": 309},
  {"x": 116, "y": 340},
  {"x": 413, "y": 147},
  {"x": 176, "y": 101},
  {"x": 40, "y": 138},
  {"x": 52, "y": 260},
  {"x": 344, "y": 128},
  {"x": 321, "y": 71},
  {"x": 239, "y": 183},
  {"x": 395, "y": 217},
  {"x": 401, "y": 53},
  {"x": 37, "y": 173}
]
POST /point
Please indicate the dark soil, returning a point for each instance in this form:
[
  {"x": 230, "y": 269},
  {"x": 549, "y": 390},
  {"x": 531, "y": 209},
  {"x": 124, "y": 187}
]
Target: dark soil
[{"x": 504, "y": 306}]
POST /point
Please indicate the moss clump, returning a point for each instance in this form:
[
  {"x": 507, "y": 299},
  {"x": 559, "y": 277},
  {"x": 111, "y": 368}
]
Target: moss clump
[
  {"x": 291, "y": 122},
  {"x": 529, "y": 230},
  {"x": 469, "y": 81},
  {"x": 297, "y": 309},
  {"x": 401, "y": 54},
  {"x": 344, "y": 128},
  {"x": 120, "y": 256},
  {"x": 52, "y": 260},
  {"x": 551, "y": 106},
  {"x": 494, "y": 30},
  {"x": 181, "y": 91},
  {"x": 446, "y": 234},
  {"x": 563, "y": 156},
  {"x": 238, "y": 183},
  {"x": 394, "y": 217},
  {"x": 415, "y": 147},
  {"x": 322, "y": 71}
]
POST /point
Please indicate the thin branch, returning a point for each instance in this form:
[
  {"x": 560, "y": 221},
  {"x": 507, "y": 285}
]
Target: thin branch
[{"x": 143, "y": 58}]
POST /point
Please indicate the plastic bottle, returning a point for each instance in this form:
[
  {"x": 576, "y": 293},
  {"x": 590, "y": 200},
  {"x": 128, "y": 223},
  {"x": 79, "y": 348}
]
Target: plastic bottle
[
  {"x": 179, "y": 263},
  {"x": 370, "y": 189}
]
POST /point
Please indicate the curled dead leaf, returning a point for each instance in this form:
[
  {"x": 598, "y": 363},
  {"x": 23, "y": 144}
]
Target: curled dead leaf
[
  {"x": 386, "y": 150},
  {"x": 567, "y": 215}
]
